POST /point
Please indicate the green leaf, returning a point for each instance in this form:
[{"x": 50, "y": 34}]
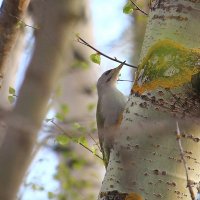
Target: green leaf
[
  {"x": 94, "y": 150},
  {"x": 37, "y": 187},
  {"x": 80, "y": 65},
  {"x": 75, "y": 140},
  {"x": 91, "y": 106},
  {"x": 11, "y": 99},
  {"x": 51, "y": 195},
  {"x": 96, "y": 58},
  {"x": 128, "y": 9},
  {"x": 20, "y": 24},
  {"x": 60, "y": 116},
  {"x": 11, "y": 90},
  {"x": 64, "y": 109},
  {"x": 76, "y": 125},
  {"x": 83, "y": 141},
  {"x": 62, "y": 139}
]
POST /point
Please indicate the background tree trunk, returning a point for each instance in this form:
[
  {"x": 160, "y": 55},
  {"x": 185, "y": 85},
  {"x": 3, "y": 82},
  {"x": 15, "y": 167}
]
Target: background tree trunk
[
  {"x": 145, "y": 162},
  {"x": 11, "y": 44},
  {"x": 31, "y": 106},
  {"x": 76, "y": 89}
]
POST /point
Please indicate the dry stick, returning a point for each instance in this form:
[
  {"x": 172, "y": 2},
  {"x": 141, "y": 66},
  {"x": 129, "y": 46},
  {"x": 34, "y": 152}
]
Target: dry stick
[
  {"x": 96, "y": 143},
  {"x": 184, "y": 162},
  {"x": 25, "y": 24},
  {"x": 125, "y": 80},
  {"x": 82, "y": 41},
  {"x": 138, "y": 8},
  {"x": 59, "y": 128}
]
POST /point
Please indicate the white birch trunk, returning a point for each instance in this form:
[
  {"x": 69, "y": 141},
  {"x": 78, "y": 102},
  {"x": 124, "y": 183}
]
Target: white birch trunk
[{"x": 145, "y": 162}]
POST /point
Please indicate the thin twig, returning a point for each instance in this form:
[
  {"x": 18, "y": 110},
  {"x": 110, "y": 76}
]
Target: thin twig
[
  {"x": 138, "y": 8},
  {"x": 184, "y": 162},
  {"x": 59, "y": 128},
  {"x": 96, "y": 143},
  {"x": 21, "y": 21},
  {"x": 124, "y": 80},
  {"x": 82, "y": 41}
]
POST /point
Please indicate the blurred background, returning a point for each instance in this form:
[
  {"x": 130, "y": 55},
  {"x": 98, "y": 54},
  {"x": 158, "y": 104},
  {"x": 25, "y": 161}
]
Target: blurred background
[{"x": 61, "y": 168}]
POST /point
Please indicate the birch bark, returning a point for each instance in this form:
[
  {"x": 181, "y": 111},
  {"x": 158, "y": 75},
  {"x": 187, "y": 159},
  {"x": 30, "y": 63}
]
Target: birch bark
[{"x": 145, "y": 162}]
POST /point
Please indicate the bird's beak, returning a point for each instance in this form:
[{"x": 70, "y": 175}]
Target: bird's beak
[{"x": 117, "y": 70}]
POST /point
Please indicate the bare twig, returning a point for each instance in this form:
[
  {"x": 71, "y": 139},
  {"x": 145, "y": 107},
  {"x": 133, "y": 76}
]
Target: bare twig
[
  {"x": 124, "y": 80},
  {"x": 23, "y": 23},
  {"x": 184, "y": 162},
  {"x": 82, "y": 41},
  {"x": 138, "y": 8},
  {"x": 96, "y": 143},
  {"x": 63, "y": 131}
]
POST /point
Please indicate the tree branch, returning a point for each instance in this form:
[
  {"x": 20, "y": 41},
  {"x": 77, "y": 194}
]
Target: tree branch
[
  {"x": 85, "y": 147},
  {"x": 82, "y": 41},
  {"x": 138, "y": 8},
  {"x": 184, "y": 162}
]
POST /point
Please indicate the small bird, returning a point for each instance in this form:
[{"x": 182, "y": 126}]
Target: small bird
[{"x": 110, "y": 106}]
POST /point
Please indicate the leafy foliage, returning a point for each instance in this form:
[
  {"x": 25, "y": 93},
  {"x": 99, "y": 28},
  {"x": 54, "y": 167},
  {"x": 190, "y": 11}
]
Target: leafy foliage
[
  {"x": 63, "y": 111},
  {"x": 71, "y": 185},
  {"x": 62, "y": 139}
]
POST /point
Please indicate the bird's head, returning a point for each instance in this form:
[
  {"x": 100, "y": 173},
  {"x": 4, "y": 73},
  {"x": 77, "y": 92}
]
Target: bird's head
[{"x": 109, "y": 78}]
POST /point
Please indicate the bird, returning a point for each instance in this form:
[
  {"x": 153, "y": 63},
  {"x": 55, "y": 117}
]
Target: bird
[{"x": 110, "y": 106}]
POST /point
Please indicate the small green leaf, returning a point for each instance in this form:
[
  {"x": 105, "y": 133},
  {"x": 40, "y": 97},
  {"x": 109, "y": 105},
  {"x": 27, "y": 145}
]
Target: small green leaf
[
  {"x": 80, "y": 65},
  {"x": 62, "y": 139},
  {"x": 20, "y": 24},
  {"x": 64, "y": 109},
  {"x": 51, "y": 195},
  {"x": 91, "y": 106},
  {"x": 37, "y": 187},
  {"x": 128, "y": 9},
  {"x": 75, "y": 140},
  {"x": 83, "y": 141},
  {"x": 11, "y": 90},
  {"x": 96, "y": 58},
  {"x": 76, "y": 125},
  {"x": 60, "y": 116},
  {"x": 94, "y": 150},
  {"x": 11, "y": 99}
]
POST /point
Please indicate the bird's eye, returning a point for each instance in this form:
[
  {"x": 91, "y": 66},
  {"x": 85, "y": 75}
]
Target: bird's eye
[{"x": 108, "y": 72}]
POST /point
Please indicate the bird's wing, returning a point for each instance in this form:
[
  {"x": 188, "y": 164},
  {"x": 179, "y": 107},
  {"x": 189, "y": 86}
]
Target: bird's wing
[
  {"x": 99, "y": 117},
  {"x": 100, "y": 125}
]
